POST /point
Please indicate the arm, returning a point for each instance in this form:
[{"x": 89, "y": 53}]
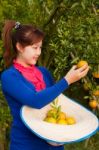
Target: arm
[{"x": 13, "y": 85}]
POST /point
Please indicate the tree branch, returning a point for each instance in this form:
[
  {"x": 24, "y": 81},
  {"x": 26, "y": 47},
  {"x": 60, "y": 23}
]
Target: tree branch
[{"x": 53, "y": 15}]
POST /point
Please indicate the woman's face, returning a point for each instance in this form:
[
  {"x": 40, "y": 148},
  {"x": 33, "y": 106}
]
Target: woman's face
[{"x": 30, "y": 54}]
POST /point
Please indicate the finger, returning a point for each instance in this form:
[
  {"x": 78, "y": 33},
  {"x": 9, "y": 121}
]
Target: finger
[
  {"x": 74, "y": 67},
  {"x": 83, "y": 68},
  {"x": 83, "y": 73}
]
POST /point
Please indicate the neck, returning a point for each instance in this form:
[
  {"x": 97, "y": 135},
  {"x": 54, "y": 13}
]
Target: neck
[{"x": 20, "y": 61}]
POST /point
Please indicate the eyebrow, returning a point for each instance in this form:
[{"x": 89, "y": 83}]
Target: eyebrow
[{"x": 37, "y": 45}]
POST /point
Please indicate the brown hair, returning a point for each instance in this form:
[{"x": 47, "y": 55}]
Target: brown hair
[{"x": 14, "y": 32}]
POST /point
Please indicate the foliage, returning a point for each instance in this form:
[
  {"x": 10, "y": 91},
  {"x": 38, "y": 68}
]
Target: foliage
[
  {"x": 72, "y": 33},
  {"x": 91, "y": 144},
  {"x": 5, "y": 122}
]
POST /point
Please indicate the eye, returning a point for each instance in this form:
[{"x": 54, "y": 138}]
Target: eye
[
  {"x": 34, "y": 47},
  {"x": 37, "y": 47}
]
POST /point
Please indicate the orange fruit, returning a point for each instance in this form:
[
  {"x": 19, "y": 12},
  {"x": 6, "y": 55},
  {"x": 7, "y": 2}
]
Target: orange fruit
[
  {"x": 93, "y": 103},
  {"x": 96, "y": 92},
  {"x": 62, "y": 115},
  {"x": 81, "y": 63},
  {"x": 70, "y": 120},
  {"x": 95, "y": 74},
  {"x": 50, "y": 119},
  {"x": 62, "y": 121},
  {"x": 52, "y": 113}
]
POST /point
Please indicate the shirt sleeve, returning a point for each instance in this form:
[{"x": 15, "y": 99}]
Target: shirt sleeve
[{"x": 15, "y": 87}]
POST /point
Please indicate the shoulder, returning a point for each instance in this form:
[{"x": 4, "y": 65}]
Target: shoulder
[
  {"x": 44, "y": 70},
  {"x": 8, "y": 73},
  {"x": 47, "y": 74}
]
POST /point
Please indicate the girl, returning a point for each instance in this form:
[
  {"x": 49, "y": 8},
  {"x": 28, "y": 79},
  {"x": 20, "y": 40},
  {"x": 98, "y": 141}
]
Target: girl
[{"x": 23, "y": 83}]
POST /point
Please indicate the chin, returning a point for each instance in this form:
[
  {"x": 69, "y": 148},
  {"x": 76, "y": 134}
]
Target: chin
[{"x": 34, "y": 63}]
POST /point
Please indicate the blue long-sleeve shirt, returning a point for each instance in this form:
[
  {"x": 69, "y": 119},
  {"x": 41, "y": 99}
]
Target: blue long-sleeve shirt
[{"x": 19, "y": 91}]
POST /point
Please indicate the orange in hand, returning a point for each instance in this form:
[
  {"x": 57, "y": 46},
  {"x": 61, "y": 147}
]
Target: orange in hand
[{"x": 81, "y": 63}]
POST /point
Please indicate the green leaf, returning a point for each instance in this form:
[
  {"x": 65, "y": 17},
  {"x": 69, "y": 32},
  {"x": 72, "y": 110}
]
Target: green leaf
[
  {"x": 74, "y": 5},
  {"x": 83, "y": 5}
]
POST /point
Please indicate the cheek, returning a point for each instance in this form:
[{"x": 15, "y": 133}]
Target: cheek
[{"x": 29, "y": 54}]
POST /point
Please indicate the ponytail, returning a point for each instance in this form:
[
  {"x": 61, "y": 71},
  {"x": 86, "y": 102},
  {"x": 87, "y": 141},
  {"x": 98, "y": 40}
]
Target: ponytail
[{"x": 7, "y": 41}]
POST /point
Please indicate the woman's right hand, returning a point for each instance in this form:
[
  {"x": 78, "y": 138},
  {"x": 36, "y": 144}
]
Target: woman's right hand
[
  {"x": 75, "y": 74},
  {"x": 54, "y": 144}
]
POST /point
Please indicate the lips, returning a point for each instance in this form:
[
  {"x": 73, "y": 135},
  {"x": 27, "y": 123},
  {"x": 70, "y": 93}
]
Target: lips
[{"x": 36, "y": 58}]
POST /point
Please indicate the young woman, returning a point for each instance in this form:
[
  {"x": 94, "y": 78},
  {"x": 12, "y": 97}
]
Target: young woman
[{"x": 23, "y": 83}]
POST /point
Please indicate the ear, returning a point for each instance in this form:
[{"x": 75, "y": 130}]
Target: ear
[{"x": 19, "y": 47}]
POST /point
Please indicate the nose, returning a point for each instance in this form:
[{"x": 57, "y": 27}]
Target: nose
[{"x": 38, "y": 52}]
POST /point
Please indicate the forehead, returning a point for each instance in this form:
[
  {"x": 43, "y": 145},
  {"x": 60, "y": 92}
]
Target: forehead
[{"x": 38, "y": 43}]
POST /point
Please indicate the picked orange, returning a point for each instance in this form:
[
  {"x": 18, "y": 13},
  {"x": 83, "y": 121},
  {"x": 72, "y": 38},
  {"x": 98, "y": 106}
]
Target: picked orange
[
  {"x": 62, "y": 121},
  {"x": 61, "y": 115},
  {"x": 52, "y": 113},
  {"x": 50, "y": 119},
  {"x": 70, "y": 120}
]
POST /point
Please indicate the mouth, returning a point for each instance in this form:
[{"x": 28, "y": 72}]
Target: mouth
[{"x": 35, "y": 58}]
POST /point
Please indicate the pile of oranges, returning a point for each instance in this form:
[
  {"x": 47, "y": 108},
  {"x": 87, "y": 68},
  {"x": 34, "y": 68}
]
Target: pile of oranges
[{"x": 56, "y": 116}]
